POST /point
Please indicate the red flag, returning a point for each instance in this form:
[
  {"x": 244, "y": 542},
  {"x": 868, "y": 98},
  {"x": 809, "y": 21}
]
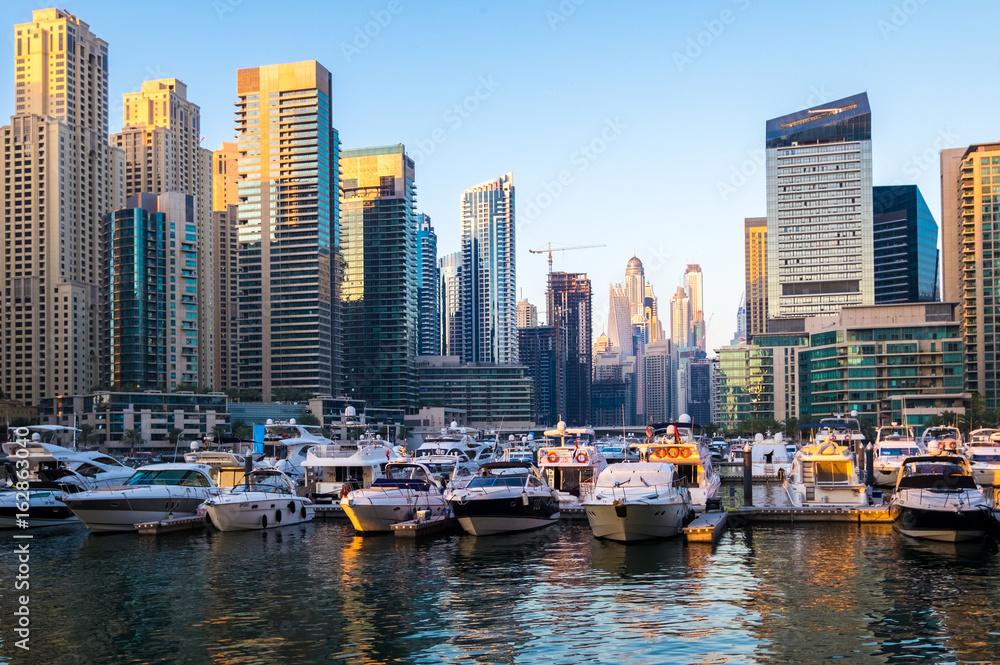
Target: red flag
[{"x": 649, "y": 431}]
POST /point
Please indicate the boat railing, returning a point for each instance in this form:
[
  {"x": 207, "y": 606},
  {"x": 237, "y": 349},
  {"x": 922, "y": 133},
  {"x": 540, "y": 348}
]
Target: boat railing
[{"x": 335, "y": 451}]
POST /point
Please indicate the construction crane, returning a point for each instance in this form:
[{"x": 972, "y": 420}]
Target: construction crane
[{"x": 551, "y": 249}]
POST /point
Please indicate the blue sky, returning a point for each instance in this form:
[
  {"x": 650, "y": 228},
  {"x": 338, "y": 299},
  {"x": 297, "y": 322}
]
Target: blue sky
[{"x": 637, "y": 125}]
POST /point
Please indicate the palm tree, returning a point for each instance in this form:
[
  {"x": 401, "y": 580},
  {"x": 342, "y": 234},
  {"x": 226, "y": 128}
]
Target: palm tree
[
  {"x": 132, "y": 438},
  {"x": 219, "y": 431}
]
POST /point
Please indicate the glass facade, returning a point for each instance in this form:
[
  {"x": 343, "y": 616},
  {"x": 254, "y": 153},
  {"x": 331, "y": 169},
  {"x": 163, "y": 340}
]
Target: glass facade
[
  {"x": 819, "y": 209},
  {"x": 906, "y": 255},
  {"x": 569, "y": 306},
  {"x": 491, "y": 395},
  {"x": 380, "y": 288},
  {"x": 542, "y": 350},
  {"x": 745, "y": 376},
  {"x": 428, "y": 317},
  {"x": 755, "y": 267},
  {"x": 288, "y": 229}
]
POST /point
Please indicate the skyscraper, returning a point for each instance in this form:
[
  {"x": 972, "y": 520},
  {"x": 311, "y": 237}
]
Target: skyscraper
[
  {"x": 57, "y": 142},
  {"x": 820, "y": 248},
  {"x": 620, "y": 320},
  {"x": 635, "y": 287},
  {"x": 489, "y": 297},
  {"x": 694, "y": 286},
  {"x": 967, "y": 223},
  {"x": 680, "y": 322},
  {"x": 543, "y": 350},
  {"x": 755, "y": 269},
  {"x": 906, "y": 255},
  {"x": 152, "y": 320},
  {"x": 450, "y": 296},
  {"x": 161, "y": 138},
  {"x": 428, "y": 317},
  {"x": 569, "y": 307},
  {"x": 289, "y": 231},
  {"x": 380, "y": 288},
  {"x": 225, "y": 176},
  {"x": 527, "y": 315},
  {"x": 226, "y": 324}
]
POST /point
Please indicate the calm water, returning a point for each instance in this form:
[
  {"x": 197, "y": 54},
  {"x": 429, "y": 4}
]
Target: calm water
[{"x": 319, "y": 594}]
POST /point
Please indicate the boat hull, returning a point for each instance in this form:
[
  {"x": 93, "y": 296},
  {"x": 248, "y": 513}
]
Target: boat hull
[
  {"x": 121, "y": 511},
  {"x": 377, "y": 515},
  {"x": 947, "y": 525},
  {"x": 490, "y": 516},
  {"x": 629, "y": 522},
  {"x": 253, "y": 513},
  {"x": 43, "y": 510}
]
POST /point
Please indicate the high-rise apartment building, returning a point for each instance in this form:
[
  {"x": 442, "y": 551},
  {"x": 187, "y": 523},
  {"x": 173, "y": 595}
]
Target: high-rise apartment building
[
  {"x": 620, "y": 320},
  {"x": 380, "y": 288},
  {"x": 694, "y": 287},
  {"x": 569, "y": 306},
  {"x": 680, "y": 321},
  {"x": 226, "y": 322},
  {"x": 289, "y": 231},
  {"x": 635, "y": 287},
  {"x": 488, "y": 272},
  {"x": 543, "y": 350},
  {"x": 161, "y": 139},
  {"x": 428, "y": 317},
  {"x": 150, "y": 292},
  {"x": 906, "y": 254},
  {"x": 225, "y": 176},
  {"x": 755, "y": 271},
  {"x": 450, "y": 297},
  {"x": 970, "y": 213},
  {"x": 820, "y": 247},
  {"x": 658, "y": 372},
  {"x": 527, "y": 315},
  {"x": 67, "y": 180}
]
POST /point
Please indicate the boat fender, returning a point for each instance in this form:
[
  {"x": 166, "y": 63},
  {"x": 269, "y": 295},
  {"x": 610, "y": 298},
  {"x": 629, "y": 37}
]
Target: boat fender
[
  {"x": 552, "y": 458},
  {"x": 277, "y": 516},
  {"x": 302, "y": 511},
  {"x": 263, "y": 521},
  {"x": 291, "y": 507},
  {"x": 581, "y": 457},
  {"x": 781, "y": 474}
]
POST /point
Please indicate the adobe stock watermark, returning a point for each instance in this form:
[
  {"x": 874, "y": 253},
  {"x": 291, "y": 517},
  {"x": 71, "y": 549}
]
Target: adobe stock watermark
[
  {"x": 755, "y": 160},
  {"x": 704, "y": 39},
  {"x": 581, "y": 158},
  {"x": 930, "y": 157},
  {"x": 899, "y": 16},
  {"x": 454, "y": 117},
  {"x": 563, "y": 11},
  {"x": 364, "y": 34},
  {"x": 223, "y": 7}
]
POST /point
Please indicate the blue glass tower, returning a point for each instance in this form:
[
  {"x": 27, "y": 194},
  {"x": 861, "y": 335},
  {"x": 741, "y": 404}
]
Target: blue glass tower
[{"x": 906, "y": 254}]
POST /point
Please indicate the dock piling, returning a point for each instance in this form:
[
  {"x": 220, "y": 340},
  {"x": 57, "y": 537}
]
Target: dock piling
[{"x": 747, "y": 476}]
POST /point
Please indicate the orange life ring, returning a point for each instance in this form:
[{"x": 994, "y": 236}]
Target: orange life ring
[
  {"x": 552, "y": 458},
  {"x": 672, "y": 452},
  {"x": 685, "y": 453},
  {"x": 659, "y": 452},
  {"x": 581, "y": 457}
]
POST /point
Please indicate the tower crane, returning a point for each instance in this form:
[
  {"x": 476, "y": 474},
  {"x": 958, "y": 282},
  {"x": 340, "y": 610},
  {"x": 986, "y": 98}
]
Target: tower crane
[{"x": 551, "y": 249}]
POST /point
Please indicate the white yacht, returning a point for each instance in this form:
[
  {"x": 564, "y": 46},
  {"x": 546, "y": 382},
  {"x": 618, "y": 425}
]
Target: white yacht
[
  {"x": 405, "y": 489},
  {"x": 333, "y": 471},
  {"x": 570, "y": 460},
  {"x": 266, "y": 498},
  {"x": 983, "y": 451},
  {"x": 893, "y": 443},
  {"x": 675, "y": 443},
  {"x": 770, "y": 458},
  {"x": 937, "y": 498},
  {"x": 824, "y": 474},
  {"x": 286, "y": 445},
  {"x": 99, "y": 469},
  {"x": 617, "y": 450},
  {"x": 504, "y": 497},
  {"x": 153, "y": 493},
  {"x": 227, "y": 468},
  {"x": 638, "y": 501}
]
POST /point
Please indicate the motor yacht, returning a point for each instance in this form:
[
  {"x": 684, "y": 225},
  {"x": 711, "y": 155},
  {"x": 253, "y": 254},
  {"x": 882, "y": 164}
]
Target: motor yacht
[
  {"x": 99, "y": 469},
  {"x": 570, "y": 460},
  {"x": 617, "y": 450},
  {"x": 638, "y": 501},
  {"x": 405, "y": 489},
  {"x": 825, "y": 474},
  {"x": 153, "y": 493},
  {"x": 893, "y": 443},
  {"x": 937, "y": 498},
  {"x": 504, "y": 497},
  {"x": 983, "y": 451},
  {"x": 265, "y": 499},
  {"x": 770, "y": 458},
  {"x": 675, "y": 443},
  {"x": 227, "y": 468}
]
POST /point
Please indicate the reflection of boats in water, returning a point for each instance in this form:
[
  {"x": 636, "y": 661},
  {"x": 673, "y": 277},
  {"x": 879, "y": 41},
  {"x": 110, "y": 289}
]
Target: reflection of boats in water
[
  {"x": 644, "y": 558},
  {"x": 937, "y": 498}
]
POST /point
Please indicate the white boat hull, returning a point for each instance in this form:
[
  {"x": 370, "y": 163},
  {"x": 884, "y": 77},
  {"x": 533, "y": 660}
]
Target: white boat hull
[
  {"x": 635, "y": 521},
  {"x": 885, "y": 475},
  {"x": 259, "y": 513},
  {"x": 120, "y": 510},
  {"x": 492, "y": 525},
  {"x": 375, "y": 515},
  {"x": 849, "y": 496}
]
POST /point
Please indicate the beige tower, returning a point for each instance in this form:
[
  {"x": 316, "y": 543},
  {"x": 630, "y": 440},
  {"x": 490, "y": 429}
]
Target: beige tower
[
  {"x": 161, "y": 138},
  {"x": 225, "y": 176},
  {"x": 65, "y": 180}
]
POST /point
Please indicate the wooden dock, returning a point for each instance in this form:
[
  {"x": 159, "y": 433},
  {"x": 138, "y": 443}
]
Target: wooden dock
[
  {"x": 572, "y": 514},
  {"x": 789, "y": 514},
  {"x": 707, "y": 527},
  {"x": 325, "y": 511},
  {"x": 421, "y": 528},
  {"x": 167, "y": 526}
]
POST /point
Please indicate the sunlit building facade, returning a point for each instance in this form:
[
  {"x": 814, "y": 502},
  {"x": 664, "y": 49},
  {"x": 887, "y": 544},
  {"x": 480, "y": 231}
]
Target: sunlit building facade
[
  {"x": 68, "y": 179},
  {"x": 381, "y": 276},
  {"x": 755, "y": 269},
  {"x": 288, "y": 229},
  {"x": 820, "y": 246}
]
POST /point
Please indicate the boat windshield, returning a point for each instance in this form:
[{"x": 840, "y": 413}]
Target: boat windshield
[
  {"x": 908, "y": 451},
  {"x": 262, "y": 483},
  {"x": 499, "y": 481},
  {"x": 833, "y": 472},
  {"x": 935, "y": 475},
  {"x": 441, "y": 470},
  {"x": 993, "y": 459},
  {"x": 181, "y": 477},
  {"x": 405, "y": 473}
]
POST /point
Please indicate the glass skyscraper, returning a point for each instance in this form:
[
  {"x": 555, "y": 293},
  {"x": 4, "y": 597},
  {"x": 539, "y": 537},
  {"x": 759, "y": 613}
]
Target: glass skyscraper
[
  {"x": 569, "y": 306},
  {"x": 288, "y": 228},
  {"x": 379, "y": 301},
  {"x": 820, "y": 247},
  {"x": 906, "y": 255},
  {"x": 428, "y": 318},
  {"x": 489, "y": 300}
]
